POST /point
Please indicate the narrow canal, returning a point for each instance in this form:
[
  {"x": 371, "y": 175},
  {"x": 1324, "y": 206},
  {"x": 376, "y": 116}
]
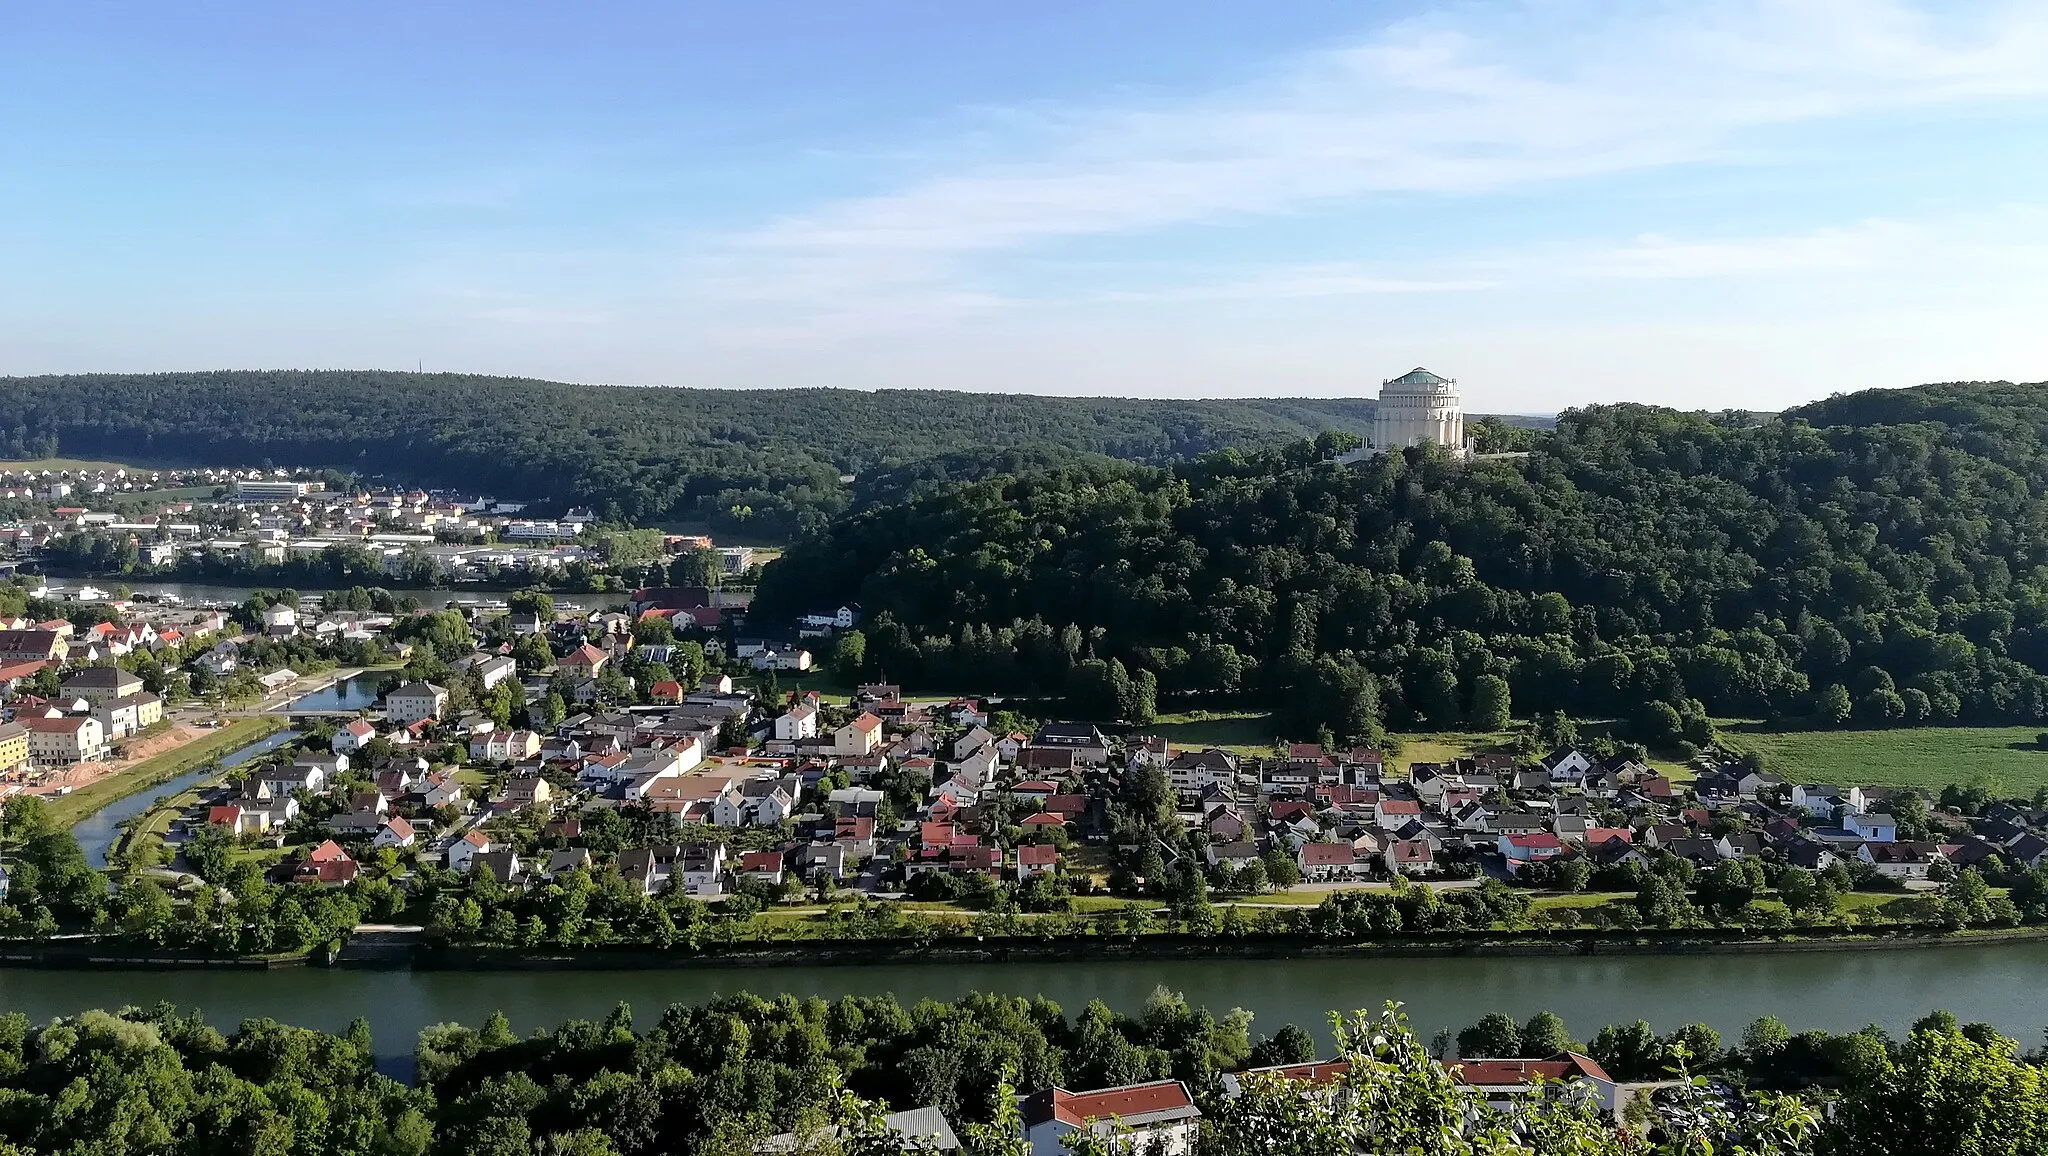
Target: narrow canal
[{"x": 98, "y": 832}]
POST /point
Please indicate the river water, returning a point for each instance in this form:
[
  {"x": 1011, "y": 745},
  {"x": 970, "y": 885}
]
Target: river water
[
  {"x": 98, "y": 832},
  {"x": 1837, "y": 991}
]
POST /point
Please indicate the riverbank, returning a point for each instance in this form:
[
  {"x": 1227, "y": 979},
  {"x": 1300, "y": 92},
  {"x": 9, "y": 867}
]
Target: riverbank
[
  {"x": 67, "y": 810},
  {"x": 1688, "y": 941},
  {"x": 422, "y": 957}
]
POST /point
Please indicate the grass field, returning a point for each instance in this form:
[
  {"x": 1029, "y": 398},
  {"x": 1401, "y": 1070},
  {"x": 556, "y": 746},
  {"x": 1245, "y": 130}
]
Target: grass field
[
  {"x": 1929, "y": 757},
  {"x": 68, "y": 809},
  {"x": 75, "y": 464}
]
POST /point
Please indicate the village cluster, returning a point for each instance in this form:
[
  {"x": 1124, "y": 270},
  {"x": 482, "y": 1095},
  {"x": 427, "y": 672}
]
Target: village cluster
[
  {"x": 746, "y": 789},
  {"x": 256, "y": 518}
]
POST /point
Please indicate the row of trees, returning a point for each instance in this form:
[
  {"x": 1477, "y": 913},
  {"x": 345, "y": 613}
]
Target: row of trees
[{"x": 721, "y": 1077}]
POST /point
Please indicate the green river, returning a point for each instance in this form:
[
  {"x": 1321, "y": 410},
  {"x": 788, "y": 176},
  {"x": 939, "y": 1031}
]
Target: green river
[{"x": 1837, "y": 991}]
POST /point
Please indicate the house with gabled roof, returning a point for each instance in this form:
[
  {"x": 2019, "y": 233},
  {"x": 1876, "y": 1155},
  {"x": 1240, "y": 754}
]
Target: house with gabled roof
[{"x": 1157, "y": 1118}]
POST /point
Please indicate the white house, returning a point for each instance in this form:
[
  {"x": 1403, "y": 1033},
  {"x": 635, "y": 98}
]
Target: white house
[
  {"x": 1567, "y": 765},
  {"x": 463, "y": 852},
  {"x": 1873, "y": 826},
  {"x": 798, "y": 722},
  {"x": 353, "y": 736},
  {"x": 1156, "y": 1119}
]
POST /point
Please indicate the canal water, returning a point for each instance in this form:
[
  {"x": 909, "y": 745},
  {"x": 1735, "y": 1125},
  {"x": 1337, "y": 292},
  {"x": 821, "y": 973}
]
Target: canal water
[
  {"x": 352, "y": 693},
  {"x": 1837, "y": 991},
  {"x": 98, "y": 832}
]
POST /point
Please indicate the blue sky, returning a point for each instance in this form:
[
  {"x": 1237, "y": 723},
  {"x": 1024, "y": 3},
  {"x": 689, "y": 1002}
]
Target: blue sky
[{"x": 1737, "y": 203}]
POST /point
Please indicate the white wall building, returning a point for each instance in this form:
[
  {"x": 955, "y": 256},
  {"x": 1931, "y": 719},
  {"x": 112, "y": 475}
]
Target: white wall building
[{"x": 1419, "y": 408}]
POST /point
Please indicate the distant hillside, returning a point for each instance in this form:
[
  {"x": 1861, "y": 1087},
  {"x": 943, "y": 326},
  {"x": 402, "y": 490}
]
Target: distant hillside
[
  {"x": 763, "y": 461},
  {"x": 1887, "y": 567}
]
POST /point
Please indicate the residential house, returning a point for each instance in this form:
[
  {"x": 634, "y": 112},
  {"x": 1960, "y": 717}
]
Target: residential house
[
  {"x": 1872, "y": 826},
  {"x": 1535, "y": 847},
  {"x": 1036, "y": 859},
  {"x": 416, "y": 702},
  {"x": 1088, "y": 745},
  {"x": 129, "y": 715},
  {"x": 14, "y": 747},
  {"x": 762, "y": 867},
  {"x": 353, "y": 736},
  {"x": 859, "y": 737},
  {"x": 463, "y": 852},
  {"x": 33, "y": 646},
  {"x": 694, "y": 870},
  {"x": 1900, "y": 860},
  {"x": 1328, "y": 862},
  {"x": 504, "y": 746},
  {"x": 1192, "y": 772},
  {"x": 100, "y": 685},
  {"x": 1410, "y": 856},
  {"x": 528, "y": 792},
  {"x": 1393, "y": 814},
  {"x": 327, "y": 865},
  {"x": 1504, "y": 1082},
  {"x": 396, "y": 832},
  {"x": 1155, "y": 1119},
  {"x": 62, "y": 742},
  {"x": 583, "y": 662},
  {"x": 800, "y": 722}
]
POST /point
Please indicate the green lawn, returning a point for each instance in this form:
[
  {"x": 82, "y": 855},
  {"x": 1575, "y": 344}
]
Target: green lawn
[
  {"x": 68, "y": 809},
  {"x": 1929, "y": 757},
  {"x": 1240, "y": 732}
]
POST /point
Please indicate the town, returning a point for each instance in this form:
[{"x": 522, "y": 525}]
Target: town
[{"x": 652, "y": 747}]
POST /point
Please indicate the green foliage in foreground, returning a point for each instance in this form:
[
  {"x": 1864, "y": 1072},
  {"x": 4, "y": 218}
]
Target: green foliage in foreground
[{"x": 719, "y": 1078}]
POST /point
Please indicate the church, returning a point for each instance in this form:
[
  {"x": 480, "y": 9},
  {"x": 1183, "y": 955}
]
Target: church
[{"x": 1419, "y": 408}]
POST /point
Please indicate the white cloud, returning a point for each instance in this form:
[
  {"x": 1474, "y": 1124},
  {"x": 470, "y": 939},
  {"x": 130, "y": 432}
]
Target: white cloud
[{"x": 1475, "y": 99}]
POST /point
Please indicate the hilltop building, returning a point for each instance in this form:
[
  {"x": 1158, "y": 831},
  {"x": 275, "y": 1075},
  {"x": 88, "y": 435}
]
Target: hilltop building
[{"x": 1419, "y": 408}]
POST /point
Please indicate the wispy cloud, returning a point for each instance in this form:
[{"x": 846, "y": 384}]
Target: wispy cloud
[
  {"x": 1458, "y": 105},
  {"x": 1471, "y": 100}
]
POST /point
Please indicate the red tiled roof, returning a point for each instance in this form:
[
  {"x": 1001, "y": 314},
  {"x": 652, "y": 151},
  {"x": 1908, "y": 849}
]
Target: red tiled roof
[
  {"x": 1037, "y": 855},
  {"x": 328, "y": 852},
  {"x": 1313, "y": 1072},
  {"x": 1541, "y": 841},
  {"x": 866, "y": 722},
  {"x": 1519, "y": 1073},
  {"x": 584, "y": 655},
  {"x": 1079, "y": 1109},
  {"x": 1327, "y": 854}
]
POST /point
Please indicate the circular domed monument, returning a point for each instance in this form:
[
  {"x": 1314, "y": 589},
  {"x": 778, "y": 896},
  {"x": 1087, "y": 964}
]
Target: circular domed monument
[{"x": 1419, "y": 408}]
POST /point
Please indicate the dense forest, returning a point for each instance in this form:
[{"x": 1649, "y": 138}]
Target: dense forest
[
  {"x": 761, "y": 462},
  {"x": 721, "y": 1078},
  {"x": 1870, "y": 559}
]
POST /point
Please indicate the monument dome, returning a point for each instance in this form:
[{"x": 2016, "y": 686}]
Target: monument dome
[{"x": 1419, "y": 408}]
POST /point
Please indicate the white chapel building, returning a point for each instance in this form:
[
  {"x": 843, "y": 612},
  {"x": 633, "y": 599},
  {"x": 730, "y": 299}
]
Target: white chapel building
[{"x": 1419, "y": 408}]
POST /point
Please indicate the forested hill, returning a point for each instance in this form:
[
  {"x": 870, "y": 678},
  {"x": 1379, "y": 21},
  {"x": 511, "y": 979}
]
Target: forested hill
[
  {"x": 756, "y": 460},
  {"x": 1879, "y": 570}
]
